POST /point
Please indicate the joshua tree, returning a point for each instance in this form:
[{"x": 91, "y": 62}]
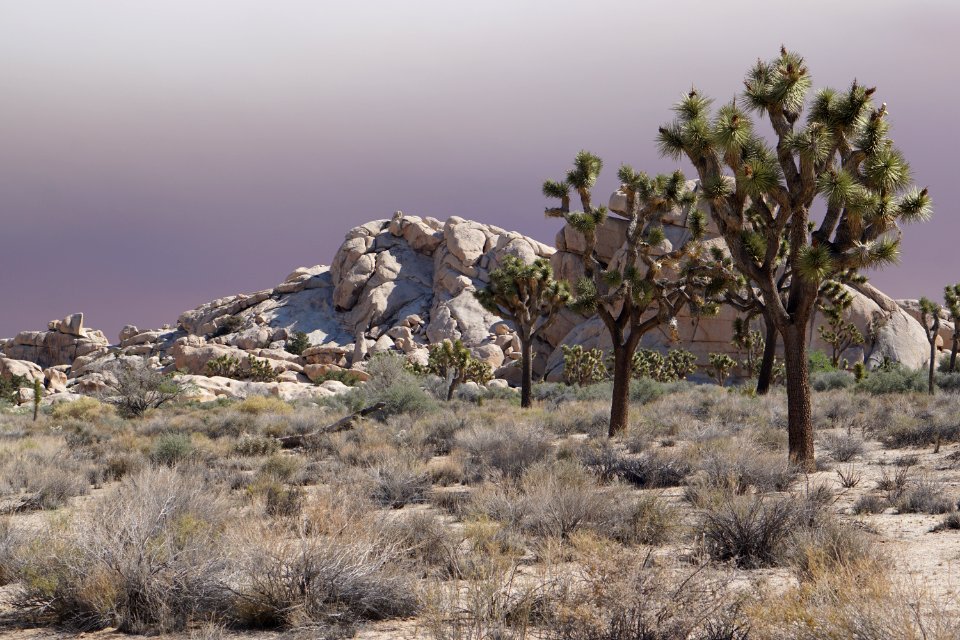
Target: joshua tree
[
  {"x": 647, "y": 285},
  {"x": 839, "y": 333},
  {"x": 951, "y": 297},
  {"x": 454, "y": 363},
  {"x": 930, "y": 319},
  {"x": 750, "y": 343},
  {"x": 529, "y": 297},
  {"x": 37, "y": 397},
  {"x": 298, "y": 343},
  {"x": 582, "y": 366},
  {"x": 762, "y": 195},
  {"x": 721, "y": 364}
]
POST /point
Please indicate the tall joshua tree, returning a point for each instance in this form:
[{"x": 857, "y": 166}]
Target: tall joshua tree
[
  {"x": 646, "y": 285},
  {"x": 930, "y": 319},
  {"x": 834, "y": 188},
  {"x": 951, "y": 297},
  {"x": 529, "y": 297}
]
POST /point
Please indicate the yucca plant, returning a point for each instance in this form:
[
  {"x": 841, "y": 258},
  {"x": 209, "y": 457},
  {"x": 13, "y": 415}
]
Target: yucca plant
[
  {"x": 833, "y": 188},
  {"x": 528, "y": 296},
  {"x": 651, "y": 282}
]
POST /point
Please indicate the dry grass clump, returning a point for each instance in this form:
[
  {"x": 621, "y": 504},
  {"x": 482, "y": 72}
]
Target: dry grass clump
[
  {"x": 924, "y": 496},
  {"x": 736, "y": 465},
  {"x": 147, "y": 558},
  {"x": 339, "y": 566},
  {"x": 42, "y": 474},
  {"x": 258, "y": 405},
  {"x": 85, "y": 408},
  {"x": 399, "y": 482},
  {"x": 502, "y": 450},
  {"x": 757, "y": 531},
  {"x": 844, "y": 447},
  {"x": 553, "y": 501},
  {"x": 652, "y": 469}
]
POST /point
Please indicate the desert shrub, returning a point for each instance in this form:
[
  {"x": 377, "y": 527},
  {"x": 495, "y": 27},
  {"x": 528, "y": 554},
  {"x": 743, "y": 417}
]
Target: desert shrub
[
  {"x": 924, "y": 496},
  {"x": 11, "y": 541},
  {"x": 830, "y": 546},
  {"x": 136, "y": 387},
  {"x": 648, "y": 520},
  {"x": 399, "y": 482},
  {"x": 895, "y": 379},
  {"x": 426, "y": 539},
  {"x": 281, "y": 501},
  {"x": 950, "y": 522},
  {"x": 646, "y": 390},
  {"x": 346, "y": 376},
  {"x": 894, "y": 482},
  {"x": 555, "y": 501},
  {"x": 820, "y": 362},
  {"x": 281, "y": 467},
  {"x": 844, "y": 448},
  {"x": 171, "y": 448},
  {"x": 829, "y": 380},
  {"x": 297, "y": 344},
  {"x": 333, "y": 578},
  {"x": 652, "y": 469},
  {"x": 391, "y": 383},
  {"x": 753, "y": 531},
  {"x": 507, "y": 449},
  {"x": 84, "y": 408},
  {"x": 948, "y": 381},
  {"x": 53, "y": 486},
  {"x": 735, "y": 466},
  {"x": 146, "y": 559},
  {"x": 258, "y": 405},
  {"x": 249, "y": 445},
  {"x": 225, "y": 366},
  {"x": 623, "y": 596},
  {"x": 869, "y": 503}
]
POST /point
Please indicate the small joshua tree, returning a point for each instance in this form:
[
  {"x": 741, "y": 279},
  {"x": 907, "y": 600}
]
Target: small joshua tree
[
  {"x": 930, "y": 319},
  {"x": 648, "y": 284},
  {"x": 764, "y": 195},
  {"x": 951, "y": 297},
  {"x": 298, "y": 343},
  {"x": 582, "y": 366},
  {"x": 529, "y": 297},
  {"x": 677, "y": 365},
  {"x": 37, "y": 397},
  {"x": 750, "y": 344},
  {"x": 721, "y": 365},
  {"x": 839, "y": 333},
  {"x": 452, "y": 361}
]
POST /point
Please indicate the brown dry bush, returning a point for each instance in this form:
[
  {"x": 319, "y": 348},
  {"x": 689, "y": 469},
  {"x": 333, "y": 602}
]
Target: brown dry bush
[
  {"x": 146, "y": 558},
  {"x": 340, "y": 566},
  {"x": 502, "y": 450}
]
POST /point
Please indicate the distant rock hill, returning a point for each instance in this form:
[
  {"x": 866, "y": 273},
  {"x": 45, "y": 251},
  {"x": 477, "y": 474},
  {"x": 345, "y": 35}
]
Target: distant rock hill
[{"x": 400, "y": 285}]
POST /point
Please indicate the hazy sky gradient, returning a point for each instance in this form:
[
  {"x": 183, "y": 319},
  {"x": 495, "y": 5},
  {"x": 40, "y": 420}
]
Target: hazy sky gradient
[{"x": 157, "y": 155}]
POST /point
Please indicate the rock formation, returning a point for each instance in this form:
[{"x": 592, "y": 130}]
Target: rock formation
[{"x": 399, "y": 285}]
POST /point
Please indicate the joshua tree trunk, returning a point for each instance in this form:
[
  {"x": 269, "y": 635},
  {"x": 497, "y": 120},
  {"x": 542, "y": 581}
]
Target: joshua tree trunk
[
  {"x": 933, "y": 363},
  {"x": 453, "y": 387},
  {"x": 800, "y": 418},
  {"x": 765, "y": 375},
  {"x": 620, "y": 406},
  {"x": 953, "y": 352},
  {"x": 526, "y": 368}
]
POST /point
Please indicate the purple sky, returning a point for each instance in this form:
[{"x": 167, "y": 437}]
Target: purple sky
[{"x": 157, "y": 155}]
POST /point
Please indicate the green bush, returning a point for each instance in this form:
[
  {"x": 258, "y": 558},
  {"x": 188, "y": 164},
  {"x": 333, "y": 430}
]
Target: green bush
[
  {"x": 820, "y": 361},
  {"x": 948, "y": 381},
  {"x": 895, "y": 379},
  {"x": 298, "y": 344},
  {"x": 171, "y": 448},
  {"x": 827, "y": 380}
]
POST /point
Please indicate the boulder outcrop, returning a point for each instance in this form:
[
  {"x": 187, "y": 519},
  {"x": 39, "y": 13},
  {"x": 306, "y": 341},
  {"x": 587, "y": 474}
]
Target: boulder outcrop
[{"x": 401, "y": 284}]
